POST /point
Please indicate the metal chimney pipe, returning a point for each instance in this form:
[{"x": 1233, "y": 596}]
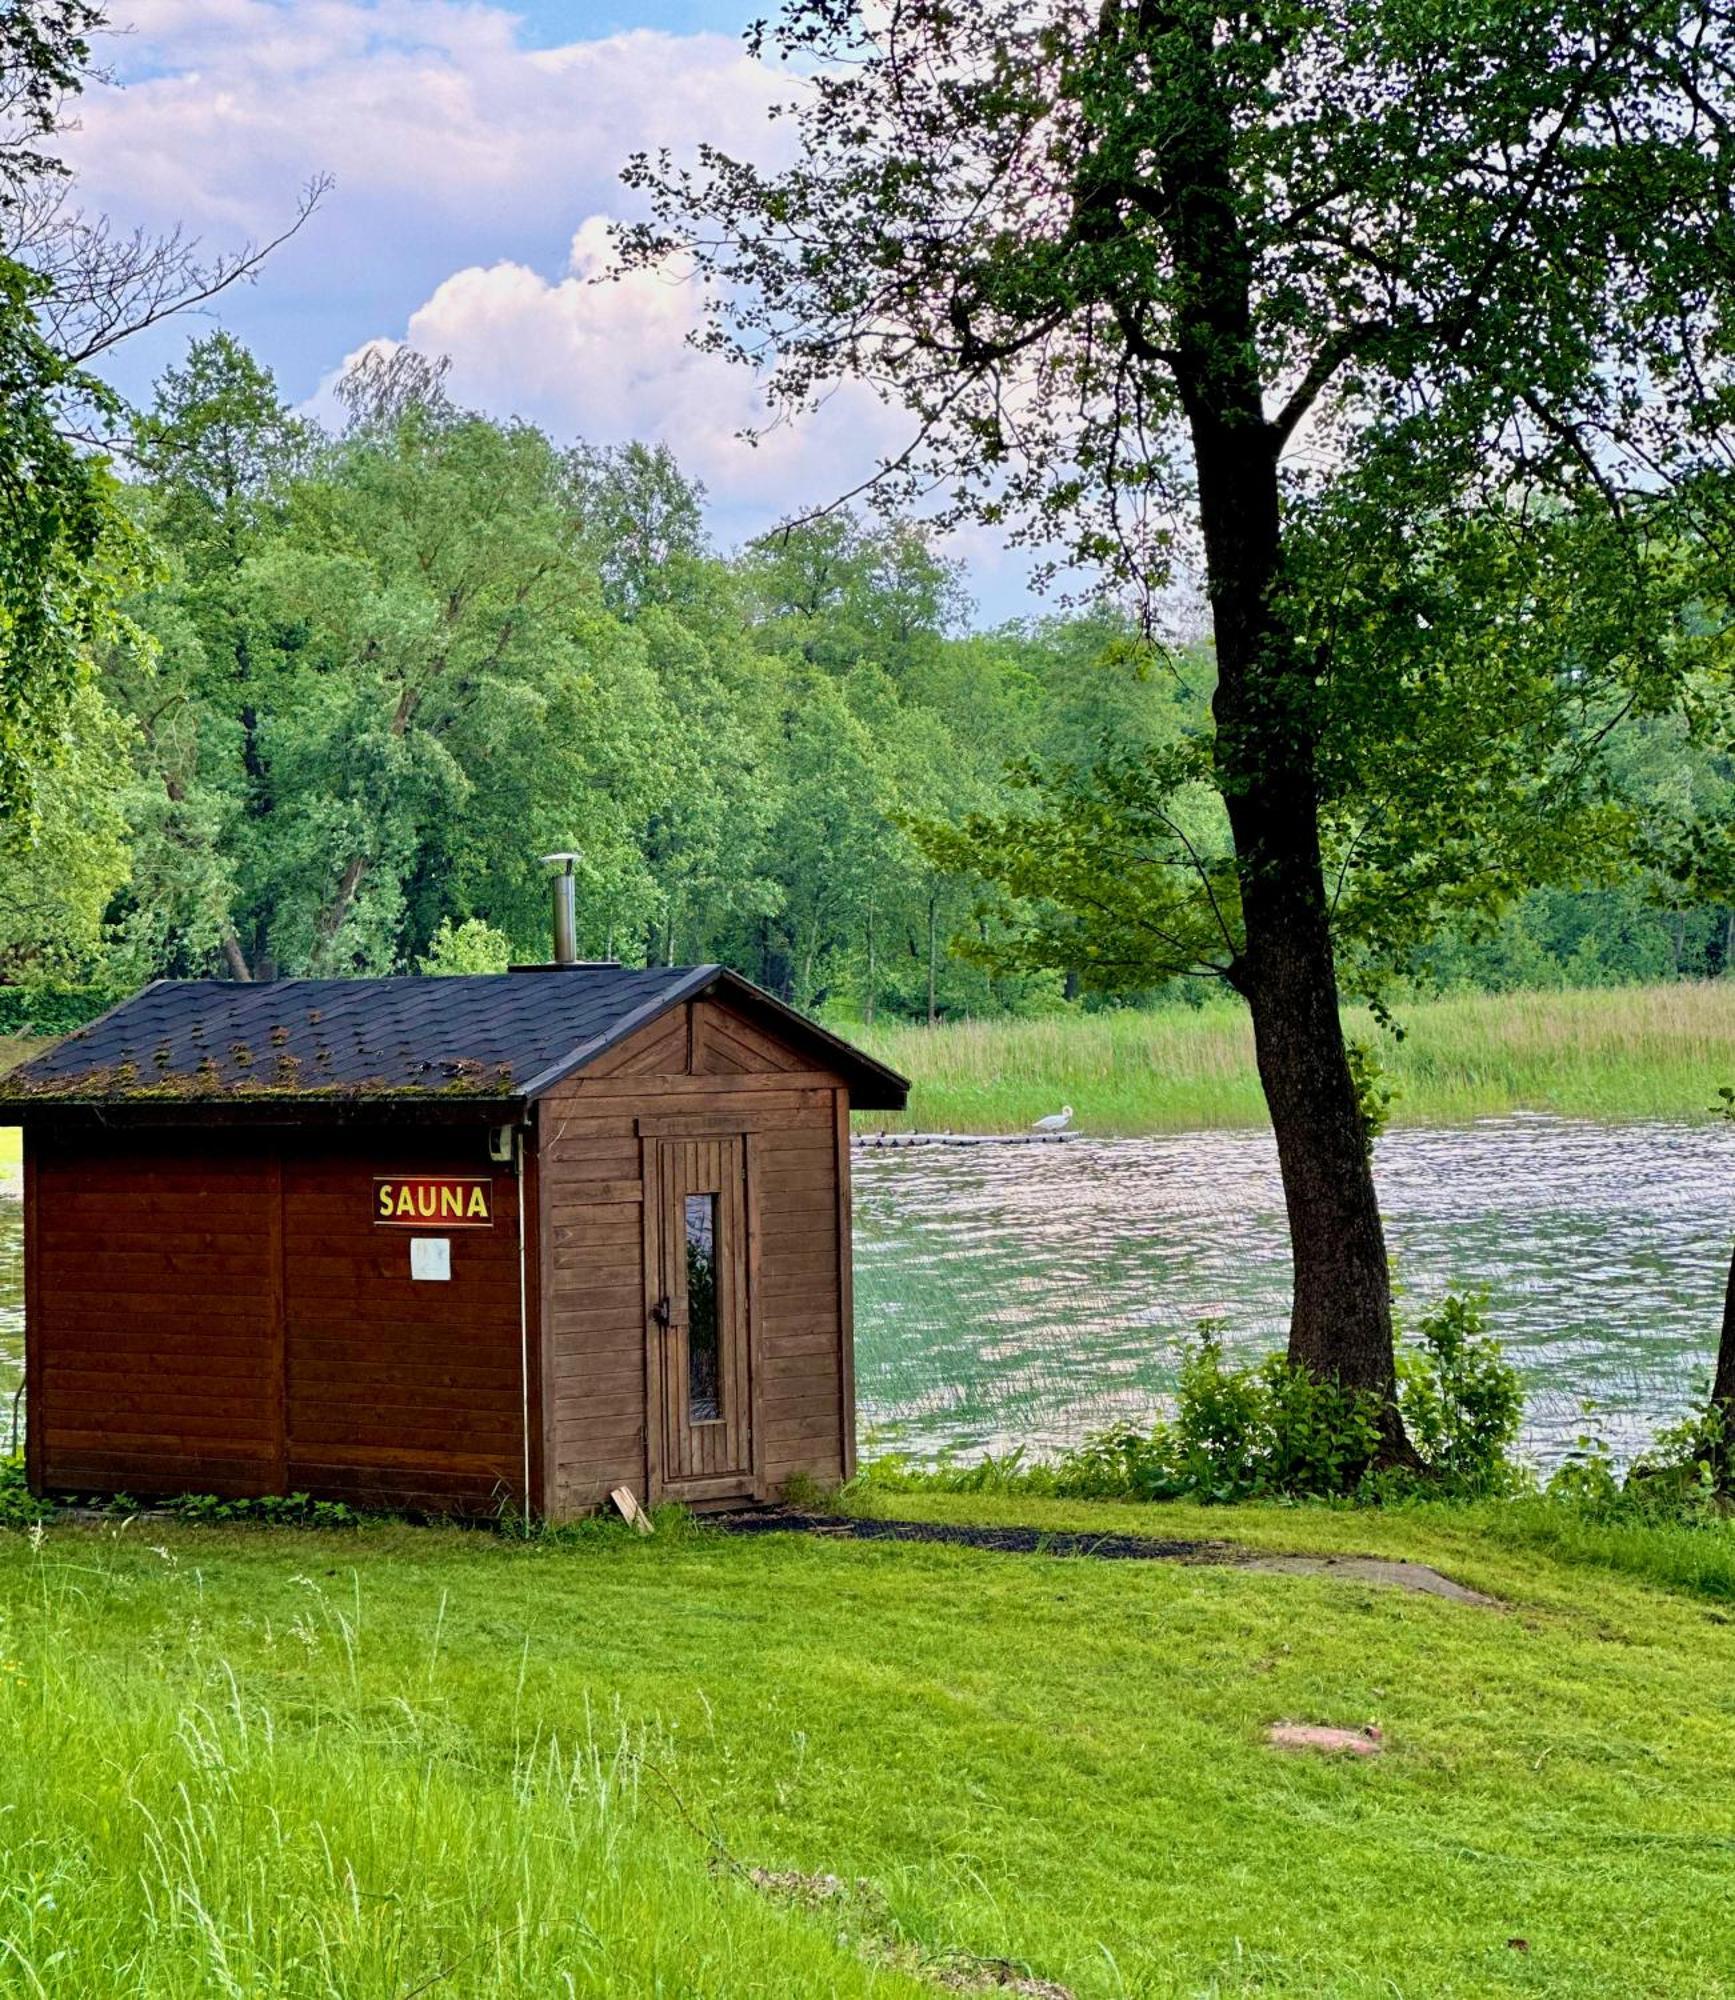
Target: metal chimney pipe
[{"x": 565, "y": 908}]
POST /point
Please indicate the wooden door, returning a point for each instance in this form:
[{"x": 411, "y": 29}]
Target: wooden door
[{"x": 702, "y": 1322}]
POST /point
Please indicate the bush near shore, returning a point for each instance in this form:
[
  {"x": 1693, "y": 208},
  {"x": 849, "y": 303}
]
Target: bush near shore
[{"x": 1614, "y": 1053}]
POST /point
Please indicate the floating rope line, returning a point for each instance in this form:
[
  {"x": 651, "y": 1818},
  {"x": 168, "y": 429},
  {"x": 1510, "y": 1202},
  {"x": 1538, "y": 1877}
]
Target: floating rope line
[{"x": 895, "y": 1141}]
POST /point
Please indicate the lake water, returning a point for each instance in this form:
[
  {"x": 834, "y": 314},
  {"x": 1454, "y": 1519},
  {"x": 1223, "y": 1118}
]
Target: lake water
[{"x": 1013, "y": 1295}]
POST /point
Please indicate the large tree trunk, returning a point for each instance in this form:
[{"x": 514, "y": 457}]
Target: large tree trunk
[
  {"x": 1264, "y": 709},
  {"x": 331, "y": 919},
  {"x": 233, "y": 956},
  {"x": 1267, "y": 715},
  {"x": 1342, "y": 1320},
  {"x": 1721, "y": 1428}
]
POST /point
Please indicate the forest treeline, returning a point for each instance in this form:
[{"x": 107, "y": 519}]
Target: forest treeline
[{"x": 368, "y": 673}]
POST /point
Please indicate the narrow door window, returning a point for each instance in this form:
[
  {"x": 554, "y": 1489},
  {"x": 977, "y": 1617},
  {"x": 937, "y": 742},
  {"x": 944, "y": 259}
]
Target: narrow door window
[{"x": 704, "y": 1348}]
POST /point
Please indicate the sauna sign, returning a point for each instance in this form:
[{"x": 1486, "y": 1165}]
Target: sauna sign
[{"x": 433, "y": 1201}]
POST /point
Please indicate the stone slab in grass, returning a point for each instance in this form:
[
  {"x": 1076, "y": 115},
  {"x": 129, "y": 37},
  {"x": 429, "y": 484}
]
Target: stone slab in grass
[{"x": 1364, "y": 1742}]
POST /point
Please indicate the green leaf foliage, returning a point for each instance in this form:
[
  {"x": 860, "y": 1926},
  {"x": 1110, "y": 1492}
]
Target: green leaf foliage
[{"x": 373, "y": 674}]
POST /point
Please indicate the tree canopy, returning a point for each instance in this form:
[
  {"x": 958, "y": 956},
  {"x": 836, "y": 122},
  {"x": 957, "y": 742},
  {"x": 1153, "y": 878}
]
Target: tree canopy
[{"x": 803, "y": 759}]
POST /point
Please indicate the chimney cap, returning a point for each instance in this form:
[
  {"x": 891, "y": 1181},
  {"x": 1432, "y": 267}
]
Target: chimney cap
[{"x": 567, "y": 856}]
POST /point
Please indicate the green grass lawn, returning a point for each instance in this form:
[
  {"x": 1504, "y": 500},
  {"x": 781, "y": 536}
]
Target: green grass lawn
[
  {"x": 1615, "y": 1053},
  {"x": 393, "y": 1761}
]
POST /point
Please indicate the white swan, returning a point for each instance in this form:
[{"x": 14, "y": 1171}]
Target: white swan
[{"x": 1056, "y": 1121}]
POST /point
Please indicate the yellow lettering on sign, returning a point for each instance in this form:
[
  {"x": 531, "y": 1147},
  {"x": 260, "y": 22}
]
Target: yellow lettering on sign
[{"x": 409, "y": 1200}]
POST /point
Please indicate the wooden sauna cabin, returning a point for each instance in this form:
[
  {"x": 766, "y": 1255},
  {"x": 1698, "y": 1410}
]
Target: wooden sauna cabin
[{"x": 451, "y": 1244}]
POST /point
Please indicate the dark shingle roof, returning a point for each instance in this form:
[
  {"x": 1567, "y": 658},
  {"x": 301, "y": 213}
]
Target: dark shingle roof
[{"x": 488, "y": 1037}]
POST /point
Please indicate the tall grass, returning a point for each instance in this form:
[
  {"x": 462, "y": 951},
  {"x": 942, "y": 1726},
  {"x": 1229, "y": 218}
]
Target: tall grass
[
  {"x": 1611, "y": 1053},
  {"x": 13, "y": 1050},
  {"x": 335, "y": 1822}
]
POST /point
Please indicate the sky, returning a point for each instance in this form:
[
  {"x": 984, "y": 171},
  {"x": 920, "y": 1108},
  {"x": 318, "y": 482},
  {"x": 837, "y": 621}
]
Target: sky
[{"x": 474, "y": 152}]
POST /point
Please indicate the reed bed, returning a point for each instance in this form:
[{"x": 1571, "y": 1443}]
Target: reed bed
[
  {"x": 1618, "y": 1054},
  {"x": 1614, "y": 1053},
  {"x": 13, "y": 1050}
]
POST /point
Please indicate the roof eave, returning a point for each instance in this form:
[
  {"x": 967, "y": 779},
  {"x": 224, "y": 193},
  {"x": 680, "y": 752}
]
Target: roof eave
[
  {"x": 696, "y": 982},
  {"x": 276, "y": 1108}
]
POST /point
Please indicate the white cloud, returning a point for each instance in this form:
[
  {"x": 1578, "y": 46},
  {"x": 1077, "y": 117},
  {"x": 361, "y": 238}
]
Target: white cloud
[
  {"x": 466, "y": 161},
  {"x": 468, "y": 164},
  {"x": 225, "y": 106},
  {"x": 609, "y": 360}
]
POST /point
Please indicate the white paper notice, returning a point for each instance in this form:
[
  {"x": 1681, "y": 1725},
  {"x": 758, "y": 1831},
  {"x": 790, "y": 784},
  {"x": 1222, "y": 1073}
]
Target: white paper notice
[{"x": 430, "y": 1257}]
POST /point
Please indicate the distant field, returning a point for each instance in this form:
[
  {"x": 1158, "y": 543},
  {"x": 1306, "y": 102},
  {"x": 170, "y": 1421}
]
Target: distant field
[
  {"x": 13, "y": 1049},
  {"x": 1622, "y": 1053},
  {"x": 1612, "y": 1053}
]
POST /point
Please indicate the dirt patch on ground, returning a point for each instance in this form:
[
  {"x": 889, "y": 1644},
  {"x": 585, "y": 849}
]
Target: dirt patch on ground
[
  {"x": 1375, "y": 1570},
  {"x": 1372, "y": 1569},
  {"x": 1364, "y": 1742}
]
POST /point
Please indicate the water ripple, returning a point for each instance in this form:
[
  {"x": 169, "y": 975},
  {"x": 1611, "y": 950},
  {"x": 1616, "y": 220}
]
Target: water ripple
[{"x": 1027, "y": 1294}]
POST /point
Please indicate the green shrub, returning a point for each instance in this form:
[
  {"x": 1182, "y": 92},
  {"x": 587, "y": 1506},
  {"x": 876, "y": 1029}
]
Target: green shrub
[
  {"x": 1120, "y": 1463},
  {"x": 472, "y": 946},
  {"x": 1375, "y": 1093},
  {"x": 1322, "y": 1437},
  {"x": 1219, "y": 1434},
  {"x": 1273, "y": 1431},
  {"x": 1262, "y": 1432},
  {"x": 1462, "y": 1402},
  {"x": 19, "y": 1507},
  {"x": 293, "y": 1509},
  {"x": 898, "y": 1472},
  {"x": 1675, "y": 1481}
]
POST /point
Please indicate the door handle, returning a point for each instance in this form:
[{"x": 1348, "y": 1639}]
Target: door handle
[{"x": 663, "y": 1314}]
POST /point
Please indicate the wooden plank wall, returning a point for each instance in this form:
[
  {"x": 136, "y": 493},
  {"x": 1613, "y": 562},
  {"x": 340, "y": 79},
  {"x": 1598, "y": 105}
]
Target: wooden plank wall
[
  {"x": 693, "y": 1074},
  {"x": 150, "y": 1301},
  {"x": 400, "y": 1393},
  {"x": 217, "y": 1313}
]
